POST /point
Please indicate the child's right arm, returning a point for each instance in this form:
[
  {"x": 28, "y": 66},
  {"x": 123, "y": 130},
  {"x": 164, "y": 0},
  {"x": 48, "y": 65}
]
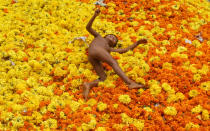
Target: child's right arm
[
  {"x": 130, "y": 47},
  {"x": 89, "y": 25}
]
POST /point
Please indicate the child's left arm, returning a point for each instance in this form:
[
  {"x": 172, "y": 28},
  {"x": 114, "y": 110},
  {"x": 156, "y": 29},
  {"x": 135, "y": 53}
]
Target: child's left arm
[{"x": 130, "y": 47}]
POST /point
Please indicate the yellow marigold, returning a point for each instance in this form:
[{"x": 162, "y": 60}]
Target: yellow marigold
[
  {"x": 205, "y": 86},
  {"x": 101, "y": 129},
  {"x": 115, "y": 106},
  {"x": 17, "y": 121},
  {"x": 169, "y": 25},
  {"x": 140, "y": 91},
  {"x": 2, "y": 101},
  {"x": 154, "y": 58},
  {"x": 172, "y": 33},
  {"x": 152, "y": 82},
  {"x": 167, "y": 65},
  {"x": 196, "y": 77},
  {"x": 204, "y": 70},
  {"x": 37, "y": 117},
  {"x": 198, "y": 53},
  {"x": 190, "y": 125},
  {"x": 175, "y": 54},
  {"x": 21, "y": 86},
  {"x": 197, "y": 109},
  {"x": 110, "y": 4},
  {"x": 87, "y": 108},
  {"x": 62, "y": 115},
  {"x": 124, "y": 99},
  {"x": 59, "y": 72},
  {"x": 148, "y": 109},
  {"x": 140, "y": 80},
  {"x": 183, "y": 55},
  {"x": 35, "y": 65},
  {"x": 101, "y": 106},
  {"x": 111, "y": 10},
  {"x": 156, "y": 1},
  {"x": 193, "y": 93},
  {"x": 180, "y": 96},
  {"x": 196, "y": 43},
  {"x": 75, "y": 83},
  {"x": 181, "y": 49},
  {"x": 110, "y": 85},
  {"x": 208, "y": 43},
  {"x": 170, "y": 111},
  {"x": 166, "y": 87},
  {"x": 139, "y": 124},
  {"x": 74, "y": 105},
  {"x": 91, "y": 102},
  {"x": 205, "y": 115},
  {"x": 155, "y": 89},
  {"x": 88, "y": 126},
  {"x": 145, "y": 67},
  {"x": 17, "y": 107},
  {"x": 176, "y": 7},
  {"x": 118, "y": 127},
  {"x": 70, "y": 126},
  {"x": 171, "y": 98},
  {"x": 166, "y": 42},
  {"x": 135, "y": 23},
  {"x": 50, "y": 123},
  {"x": 193, "y": 69}
]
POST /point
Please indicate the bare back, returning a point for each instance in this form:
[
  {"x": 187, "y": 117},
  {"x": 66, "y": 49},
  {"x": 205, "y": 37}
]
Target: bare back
[{"x": 97, "y": 46}]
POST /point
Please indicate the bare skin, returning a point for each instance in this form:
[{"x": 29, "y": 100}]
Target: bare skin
[{"x": 99, "y": 51}]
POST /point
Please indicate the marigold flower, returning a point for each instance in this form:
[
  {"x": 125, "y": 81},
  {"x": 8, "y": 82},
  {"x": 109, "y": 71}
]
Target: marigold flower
[
  {"x": 198, "y": 53},
  {"x": 101, "y": 129},
  {"x": 196, "y": 43},
  {"x": 205, "y": 86},
  {"x": 205, "y": 115},
  {"x": 50, "y": 123},
  {"x": 197, "y": 77},
  {"x": 167, "y": 65},
  {"x": 197, "y": 109},
  {"x": 155, "y": 89},
  {"x": 190, "y": 125},
  {"x": 101, "y": 106},
  {"x": 124, "y": 99},
  {"x": 170, "y": 111},
  {"x": 148, "y": 109},
  {"x": 139, "y": 124},
  {"x": 91, "y": 102},
  {"x": 193, "y": 93}
]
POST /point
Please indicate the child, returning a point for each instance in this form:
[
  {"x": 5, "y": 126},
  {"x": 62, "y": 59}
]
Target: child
[{"x": 98, "y": 52}]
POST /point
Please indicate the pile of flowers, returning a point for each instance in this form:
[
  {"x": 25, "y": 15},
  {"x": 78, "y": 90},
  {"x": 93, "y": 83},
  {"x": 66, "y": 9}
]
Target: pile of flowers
[{"x": 43, "y": 52}]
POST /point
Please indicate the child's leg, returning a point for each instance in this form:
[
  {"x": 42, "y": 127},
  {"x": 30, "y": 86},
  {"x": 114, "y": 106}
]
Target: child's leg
[
  {"x": 100, "y": 72},
  {"x": 106, "y": 57}
]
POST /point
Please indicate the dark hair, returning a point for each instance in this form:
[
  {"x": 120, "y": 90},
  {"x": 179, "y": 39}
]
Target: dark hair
[{"x": 114, "y": 36}]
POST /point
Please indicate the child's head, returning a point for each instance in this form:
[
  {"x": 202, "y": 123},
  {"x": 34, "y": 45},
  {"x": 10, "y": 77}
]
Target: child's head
[{"x": 112, "y": 38}]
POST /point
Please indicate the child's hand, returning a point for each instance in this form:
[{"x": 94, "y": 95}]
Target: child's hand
[
  {"x": 97, "y": 12},
  {"x": 142, "y": 41}
]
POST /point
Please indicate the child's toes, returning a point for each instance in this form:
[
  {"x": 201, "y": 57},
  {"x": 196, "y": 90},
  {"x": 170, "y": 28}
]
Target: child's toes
[{"x": 86, "y": 91}]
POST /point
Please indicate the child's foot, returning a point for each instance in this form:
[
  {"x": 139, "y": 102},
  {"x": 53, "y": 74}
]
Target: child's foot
[
  {"x": 134, "y": 85},
  {"x": 86, "y": 90}
]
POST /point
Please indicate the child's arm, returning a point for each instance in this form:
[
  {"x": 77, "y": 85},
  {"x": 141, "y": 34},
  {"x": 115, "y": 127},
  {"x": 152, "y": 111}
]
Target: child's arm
[
  {"x": 130, "y": 47},
  {"x": 89, "y": 25}
]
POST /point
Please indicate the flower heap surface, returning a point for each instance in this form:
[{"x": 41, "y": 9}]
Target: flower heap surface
[{"x": 43, "y": 52}]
